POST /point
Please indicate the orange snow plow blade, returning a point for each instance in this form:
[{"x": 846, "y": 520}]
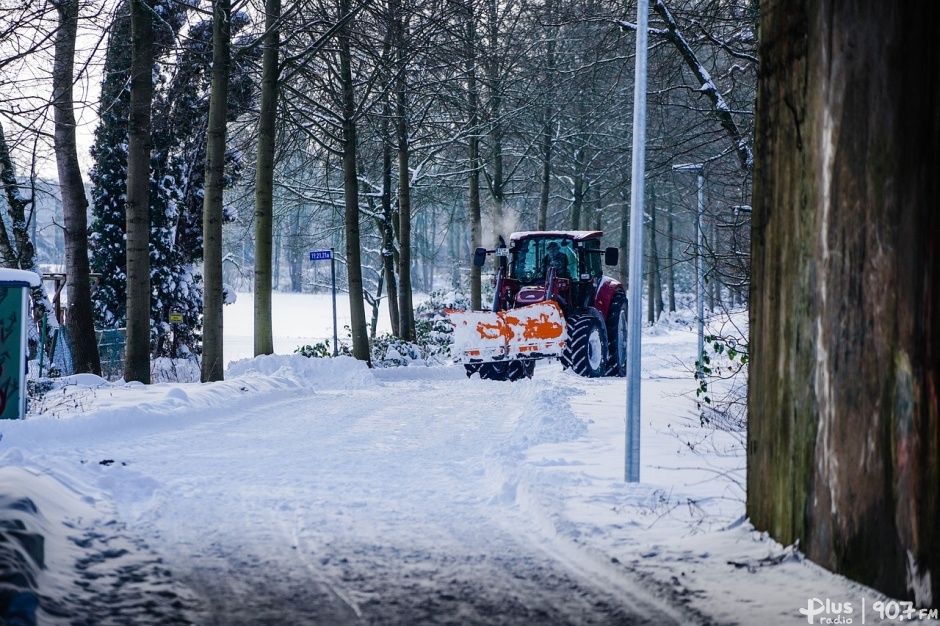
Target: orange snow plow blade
[{"x": 528, "y": 332}]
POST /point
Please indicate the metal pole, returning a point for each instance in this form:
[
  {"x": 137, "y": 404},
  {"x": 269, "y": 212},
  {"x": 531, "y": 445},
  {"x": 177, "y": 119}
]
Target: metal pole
[
  {"x": 637, "y": 191},
  {"x": 333, "y": 277},
  {"x": 700, "y": 271}
]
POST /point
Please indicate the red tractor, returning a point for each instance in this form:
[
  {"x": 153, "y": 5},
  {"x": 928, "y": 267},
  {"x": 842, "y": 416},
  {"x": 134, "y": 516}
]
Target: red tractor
[{"x": 552, "y": 301}]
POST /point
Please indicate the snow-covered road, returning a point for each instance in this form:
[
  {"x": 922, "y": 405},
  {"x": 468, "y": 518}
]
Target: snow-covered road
[
  {"x": 316, "y": 491},
  {"x": 382, "y": 505}
]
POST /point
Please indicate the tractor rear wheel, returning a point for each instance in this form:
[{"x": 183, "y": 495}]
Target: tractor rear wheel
[
  {"x": 586, "y": 350},
  {"x": 617, "y": 337}
]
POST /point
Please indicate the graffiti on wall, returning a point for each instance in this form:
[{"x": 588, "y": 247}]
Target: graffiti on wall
[{"x": 11, "y": 356}]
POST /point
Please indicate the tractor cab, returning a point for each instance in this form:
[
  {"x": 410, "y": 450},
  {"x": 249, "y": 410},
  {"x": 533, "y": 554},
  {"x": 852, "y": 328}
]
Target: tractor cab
[{"x": 560, "y": 266}]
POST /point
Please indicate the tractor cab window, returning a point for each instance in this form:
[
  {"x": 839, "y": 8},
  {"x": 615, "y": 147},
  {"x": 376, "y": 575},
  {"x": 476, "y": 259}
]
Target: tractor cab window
[
  {"x": 532, "y": 259},
  {"x": 592, "y": 260}
]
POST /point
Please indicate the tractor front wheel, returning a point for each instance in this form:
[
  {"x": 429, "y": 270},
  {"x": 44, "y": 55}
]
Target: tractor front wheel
[{"x": 586, "y": 350}]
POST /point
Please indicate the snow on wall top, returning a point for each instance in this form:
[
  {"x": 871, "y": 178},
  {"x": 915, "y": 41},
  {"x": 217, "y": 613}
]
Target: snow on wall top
[{"x": 8, "y": 275}]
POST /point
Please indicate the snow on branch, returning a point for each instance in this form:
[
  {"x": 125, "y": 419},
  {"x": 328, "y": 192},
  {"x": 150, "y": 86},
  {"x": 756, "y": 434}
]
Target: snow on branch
[
  {"x": 708, "y": 88},
  {"x": 722, "y": 110}
]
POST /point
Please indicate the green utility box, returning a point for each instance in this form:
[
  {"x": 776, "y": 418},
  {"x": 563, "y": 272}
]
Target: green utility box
[{"x": 14, "y": 297}]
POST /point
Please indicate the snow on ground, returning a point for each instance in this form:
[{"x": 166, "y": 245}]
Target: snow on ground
[{"x": 306, "y": 491}]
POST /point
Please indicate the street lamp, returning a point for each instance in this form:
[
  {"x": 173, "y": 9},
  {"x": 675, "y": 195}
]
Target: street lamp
[
  {"x": 637, "y": 191},
  {"x": 698, "y": 168}
]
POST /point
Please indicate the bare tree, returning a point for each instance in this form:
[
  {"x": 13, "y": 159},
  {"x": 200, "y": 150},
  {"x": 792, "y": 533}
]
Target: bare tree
[
  {"x": 406, "y": 316},
  {"x": 80, "y": 318},
  {"x": 137, "y": 359},
  {"x": 473, "y": 147},
  {"x": 548, "y": 117},
  {"x": 357, "y": 314},
  {"x": 212, "y": 364},
  {"x": 264, "y": 180}
]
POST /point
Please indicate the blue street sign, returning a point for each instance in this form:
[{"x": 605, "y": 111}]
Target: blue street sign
[{"x": 321, "y": 255}]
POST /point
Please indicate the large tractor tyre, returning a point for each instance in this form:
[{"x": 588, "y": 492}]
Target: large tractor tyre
[
  {"x": 617, "y": 337},
  {"x": 507, "y": 370},
  {"x": 586, "y": 350}
]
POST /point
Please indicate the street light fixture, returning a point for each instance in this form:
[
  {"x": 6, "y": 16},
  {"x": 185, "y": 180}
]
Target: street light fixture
[{"x": 698, "y": 168}]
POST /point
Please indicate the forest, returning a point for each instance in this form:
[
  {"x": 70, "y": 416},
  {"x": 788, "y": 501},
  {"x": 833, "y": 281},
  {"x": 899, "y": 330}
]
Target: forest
[{"x": 401, "y": 134}]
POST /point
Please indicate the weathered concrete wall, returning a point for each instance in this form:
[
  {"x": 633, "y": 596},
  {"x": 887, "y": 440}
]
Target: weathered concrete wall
[{"x": 844, "y": 430}]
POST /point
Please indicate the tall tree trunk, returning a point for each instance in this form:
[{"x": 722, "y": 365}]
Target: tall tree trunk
[
  {"x": 357, "y": 310},
  {"x": 388, "y": 225},
  {"x": 843, "y": 445},
  {"x": 497, "y": 184},
  {"x": 276, "y": 264},
  {"x": 598, "y": 223},
  {"x": 654, "y": 280},
  {"x": 15, "y": 203},
  {"x": 264, "y": 180},
  {"x": 80, "y": 320},
  {"x": 295, "y": 253},
  {"x": 376, "y": 305},
  {"x": 430, "y": 248},
  {"x": 137, "y": 356},
  {"x": 473, "y": 156},
  {"x": 623, "y": 265},
  {"x": 547, "y": 120},
  {"x": 670, "y": 258},
  {"x": 711, "y": 273},
  {"x": 406, "y": 313},
  {"x": 716, "y": 280},
  {"x": 496, "y": 179},
  {"x": 212, "y": 363},
  {"x": 577, "y": 190},
  {"x": 546, "y": 177}
]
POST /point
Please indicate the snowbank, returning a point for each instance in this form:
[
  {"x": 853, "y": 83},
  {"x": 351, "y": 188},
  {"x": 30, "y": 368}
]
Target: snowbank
[{"x": 337, "y": 373}]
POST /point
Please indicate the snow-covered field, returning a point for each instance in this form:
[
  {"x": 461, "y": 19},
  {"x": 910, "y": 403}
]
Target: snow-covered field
[
  {"x": 305, "y": 491},
  {"x": 297, "y": 319}
]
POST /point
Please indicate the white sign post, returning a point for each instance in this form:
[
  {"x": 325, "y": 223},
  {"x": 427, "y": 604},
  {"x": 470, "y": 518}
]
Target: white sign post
[{"x": 327, "y": 255}]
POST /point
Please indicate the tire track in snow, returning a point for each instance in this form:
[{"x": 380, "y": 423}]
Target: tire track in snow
[{"x": 372, "y": 508}]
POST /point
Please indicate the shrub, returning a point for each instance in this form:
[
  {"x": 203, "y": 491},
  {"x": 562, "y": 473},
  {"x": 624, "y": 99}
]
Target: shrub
[{"x": 323, "y": 350}]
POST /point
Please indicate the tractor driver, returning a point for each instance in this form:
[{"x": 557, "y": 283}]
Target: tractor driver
[
  {"x": 570, "y": 255},
  {"x": 557, "y": 259}
]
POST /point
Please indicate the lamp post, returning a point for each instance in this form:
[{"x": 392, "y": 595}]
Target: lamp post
[
  {"x": 637, "y": 191},
  {"x": 698, "y": 168}
]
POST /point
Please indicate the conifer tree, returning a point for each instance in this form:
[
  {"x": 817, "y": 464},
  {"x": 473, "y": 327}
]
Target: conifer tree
[{"x": 177, "y": 179}]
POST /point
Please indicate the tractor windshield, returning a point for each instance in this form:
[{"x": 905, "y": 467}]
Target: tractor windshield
[{"x": 534, "y": 256}]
